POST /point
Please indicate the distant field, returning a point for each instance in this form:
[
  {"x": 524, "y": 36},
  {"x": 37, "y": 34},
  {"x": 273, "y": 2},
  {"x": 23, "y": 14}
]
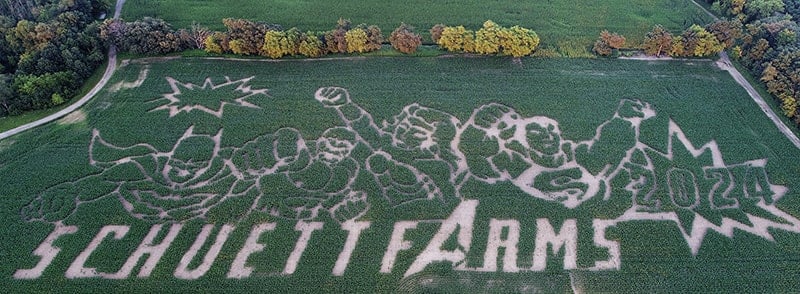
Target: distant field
[
  {"x": 149, "y": 114},
  {"x": 555, "y": 20}
]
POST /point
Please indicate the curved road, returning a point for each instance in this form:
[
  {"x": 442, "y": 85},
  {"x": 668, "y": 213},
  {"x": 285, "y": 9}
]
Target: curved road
[{"x": 112, "y": 66}]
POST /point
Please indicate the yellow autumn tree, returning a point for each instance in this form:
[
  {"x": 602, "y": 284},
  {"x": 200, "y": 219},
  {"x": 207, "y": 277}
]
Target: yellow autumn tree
[
  {"x": 356, "y": 40},
  {"x": 212, "y": 45},
  {"x": 487, "y": 39},
  {"x": 519, "y": 41},
  {"x": 280, "y": 43},
  {"x": 457, "y": 39}
]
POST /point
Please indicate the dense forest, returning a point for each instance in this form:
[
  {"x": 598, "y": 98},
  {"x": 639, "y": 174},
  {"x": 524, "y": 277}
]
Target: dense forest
[{"x": 48, "y": 48}]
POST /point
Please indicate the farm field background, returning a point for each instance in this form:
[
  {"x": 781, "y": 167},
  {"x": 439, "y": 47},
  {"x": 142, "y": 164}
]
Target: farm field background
[
  {"x": 579, "y": 94},
  {"x": 573, "y": 23}
]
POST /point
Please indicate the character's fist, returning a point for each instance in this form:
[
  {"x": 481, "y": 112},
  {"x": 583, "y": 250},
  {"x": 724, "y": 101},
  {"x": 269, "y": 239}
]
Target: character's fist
[
  {"x": 629, "y": 109},
  {"x": 54, "y": 204},
  {"x": 332, "y": 96},
  {"x": 490, "y": 115},
  {"x": 353, "y": 206}
]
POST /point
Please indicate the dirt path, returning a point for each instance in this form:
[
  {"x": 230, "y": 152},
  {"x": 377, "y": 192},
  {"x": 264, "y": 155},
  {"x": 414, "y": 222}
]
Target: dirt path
[
  {"x": 724, "y": 63},
  {"x": 112, "y": 66}
]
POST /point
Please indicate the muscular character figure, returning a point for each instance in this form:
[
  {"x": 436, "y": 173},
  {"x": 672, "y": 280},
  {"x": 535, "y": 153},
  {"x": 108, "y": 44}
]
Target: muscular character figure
[
  {"x": 417, "y": 134},
  {"x": 300, "y": 179},
  {"x": 501, "y": 145},
  {"x": 189, "y": 181}
]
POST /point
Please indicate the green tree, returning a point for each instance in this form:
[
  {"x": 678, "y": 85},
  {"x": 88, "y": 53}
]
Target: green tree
[
  {"x": 311, "y": 45},
  {"x": 7, "y": 95},
  {"x": 757, "y": 9}
]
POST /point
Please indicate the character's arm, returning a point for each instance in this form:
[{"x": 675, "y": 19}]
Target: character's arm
[
  {"x": 103, "y": 154},
  {"x": 60, "y": 201},
  {"x": 354, "y": 117}
]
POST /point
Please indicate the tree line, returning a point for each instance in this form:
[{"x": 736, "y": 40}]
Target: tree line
[
  {"x": 247, "y": 37},
  {"x": 695, "y": 41},
  {"x": 48, "y": 48}
]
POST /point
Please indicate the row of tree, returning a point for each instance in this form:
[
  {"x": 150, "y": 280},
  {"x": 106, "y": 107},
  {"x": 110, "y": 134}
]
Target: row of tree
[
  {"x": 151, "y": 36},
  {"x": 48, "y": 48},
  {"x": 491, "y": 39},
  {"x": 695, "y": 41},
  {"x": 245, "y": 37}
]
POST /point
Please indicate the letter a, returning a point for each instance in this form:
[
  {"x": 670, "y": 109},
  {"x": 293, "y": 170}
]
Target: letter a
[{"x": 462, "y": 216}]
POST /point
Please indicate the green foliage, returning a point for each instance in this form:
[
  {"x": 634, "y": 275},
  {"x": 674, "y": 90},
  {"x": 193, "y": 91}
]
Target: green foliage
[
  {"x": 44, "y": 44},
  {"x": 311, "y": 45},
  {"x": 763, "y": 8},
  {"x": 38, "y": 91}
]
